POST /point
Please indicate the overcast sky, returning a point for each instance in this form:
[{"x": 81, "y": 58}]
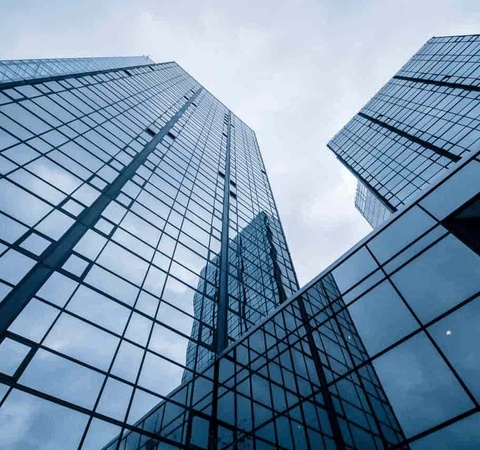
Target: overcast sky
[{"x": 295, "y": 71}]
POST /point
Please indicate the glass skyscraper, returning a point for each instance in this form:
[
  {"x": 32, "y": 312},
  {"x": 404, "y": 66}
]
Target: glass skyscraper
[
  {"x": 139, "y": 238},
  {"x": 149, "y": 301},
  {"x": 421, "y": 123}
]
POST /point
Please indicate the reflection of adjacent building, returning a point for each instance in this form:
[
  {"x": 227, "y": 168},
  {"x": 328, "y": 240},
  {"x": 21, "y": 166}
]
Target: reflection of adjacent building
[
  {"x": 363, "y": 415},
  {"x": 255, "y": 276},
  {"x": 370, "y": 206},
  {"x": 325, "y": 349}
]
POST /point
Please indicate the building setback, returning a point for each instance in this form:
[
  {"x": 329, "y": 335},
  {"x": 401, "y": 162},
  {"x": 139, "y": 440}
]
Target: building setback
[{"x": 421, "y": 123}]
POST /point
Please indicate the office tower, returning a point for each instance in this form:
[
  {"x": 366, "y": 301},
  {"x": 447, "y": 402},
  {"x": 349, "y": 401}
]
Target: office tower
[
  {"x": 149, "y": 300},
  {"x": 138, "y": 228},
  {"x": 418, "y": 126}
]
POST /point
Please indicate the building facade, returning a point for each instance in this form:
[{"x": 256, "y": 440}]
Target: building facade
[
  {"x": 149, "y": 300},
  {"x": 139, "y": 238},
  {"x": 377, "y": 352},
  {"x": 421, "y": 123},
  {"x": 370, "y": 206},
  {"x": 253, "y": 254}
]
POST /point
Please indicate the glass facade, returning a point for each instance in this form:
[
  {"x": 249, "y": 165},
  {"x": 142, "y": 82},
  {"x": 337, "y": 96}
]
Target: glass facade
[
  {"x": 371, "y": 206},
  {"x": 29, "y": 69},
  {"x": 149, "y": 301},
  {"x": 423, "y": 121},
  {"x": 138, "y": 237},
  {"x": 379, "y": 351},
  {"x": 253, "y": 253}
]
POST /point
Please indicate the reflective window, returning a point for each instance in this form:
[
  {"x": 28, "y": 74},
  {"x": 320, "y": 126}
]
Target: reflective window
[
  {"x": 381, "y": 318},
  {"x": 80, "y": 340},
  {"x": 464, "y": 434},
  {"x": 455, "y": 269},
  {"x": 46, "y": 366},
  {"x": 419, "y": 385},
  {"x": 115, "y": 399},
  {"x": 354, "y": 268},
  {"x": 457, "y": 335},
  {"x": 12, "y": 354},
  {"x": 400, "y": 233},
  {"x": 34, "y": 321},
  {"x": 454, "y": 192},
  {"x": 44, "y": 425}
]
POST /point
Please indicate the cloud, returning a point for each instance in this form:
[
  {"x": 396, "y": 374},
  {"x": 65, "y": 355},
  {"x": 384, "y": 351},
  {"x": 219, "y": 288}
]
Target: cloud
[{"x": 296, "y": 72}]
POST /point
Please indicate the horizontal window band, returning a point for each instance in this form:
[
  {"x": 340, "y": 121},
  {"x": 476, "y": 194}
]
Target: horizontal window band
[
  {"x": 439, "y": 151},
  {"x": 467, "y": 87}
]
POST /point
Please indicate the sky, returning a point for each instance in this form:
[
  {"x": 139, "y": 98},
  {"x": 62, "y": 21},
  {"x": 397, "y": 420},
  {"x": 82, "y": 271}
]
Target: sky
[{"x": 295, "y": 71}]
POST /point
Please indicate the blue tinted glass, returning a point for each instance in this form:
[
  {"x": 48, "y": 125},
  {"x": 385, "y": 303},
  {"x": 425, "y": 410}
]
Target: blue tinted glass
[
  {"x": 99, "y": 434},
  {"x": 115, "y": 399},
  {"x": 381, "y": 318},
  {"x": 12, "y": 354},
  {"x": 46, "y": 366},
  {"x": 419, "y": 385},
  {"x": 34, "y": 321},
  {"x": 354, "y": 268},
  {"x": 455, "y": 269},
  {"x": 57, "y": 289},
  {"x": 400, "y": 233},
  {"x": 454, "y": 192},
  {"x": 464, "y": 435},
  {"x": 44, "y": 424},
  {"x": 82, "y": 341},
  {"x": 14, "y": 266},
  {"x": 458, "y": 336}
]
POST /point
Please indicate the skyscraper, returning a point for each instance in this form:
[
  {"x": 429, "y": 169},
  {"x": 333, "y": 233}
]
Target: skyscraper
[
  {"x": 149, "y": 301},
  {"x": 139, "y": 235},
  {"x": 421, "y": 123}
]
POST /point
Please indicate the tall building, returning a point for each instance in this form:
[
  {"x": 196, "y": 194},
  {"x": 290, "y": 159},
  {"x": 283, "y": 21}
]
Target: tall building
[
  {"x": 149, "y": 301},
  {"x": 139, "y": 239},
  {"x": 418, "y": 126}
]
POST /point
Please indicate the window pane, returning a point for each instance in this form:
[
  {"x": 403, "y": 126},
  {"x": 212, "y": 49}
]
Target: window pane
[
  {"x": 381, "y": 318},
  {"x": 353, "y": 269},
  {"x": 12, "y": 354},
  {"x": 29, "y": 422},
  {"x": 455, "y": 269},
  {"x": 73, "y": 382},
  {"x": 464, "y": 435},
  {"x": 82, "y": 341},
  {"x": 458, "y": 336},
  {"x": 422, "y": 390}
]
